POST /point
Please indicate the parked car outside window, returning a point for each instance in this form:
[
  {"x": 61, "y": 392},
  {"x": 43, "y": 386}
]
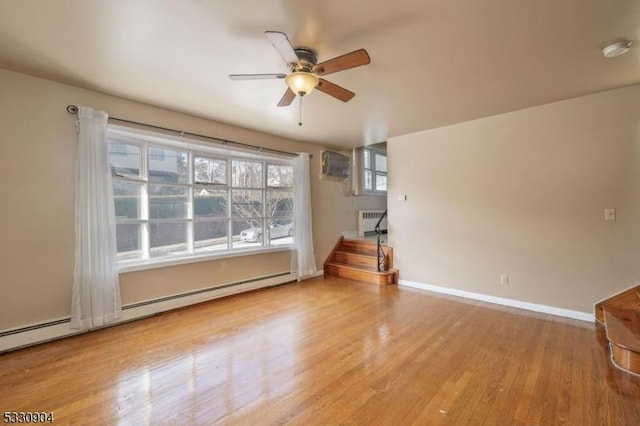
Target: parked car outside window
[{"x": 277, "y": 229}]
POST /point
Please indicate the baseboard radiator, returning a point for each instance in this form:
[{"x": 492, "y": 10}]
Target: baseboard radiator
[
  {"x": 59, "y": 328},
  {"x": 367, "y": 220}
]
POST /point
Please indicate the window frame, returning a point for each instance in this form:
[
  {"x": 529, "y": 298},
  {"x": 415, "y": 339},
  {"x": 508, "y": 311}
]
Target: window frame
[
  {"x": 145, "y": 140},
  {"x": 372, "y": 169}
]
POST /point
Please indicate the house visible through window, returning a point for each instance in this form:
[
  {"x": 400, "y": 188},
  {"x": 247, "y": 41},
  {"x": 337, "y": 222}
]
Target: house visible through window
[
  {"x": 176, "y": 199},
  {"x": 374, "y": 169},
  {"x": 119, "y": 149},
  {"x": 156, "y": 154}
]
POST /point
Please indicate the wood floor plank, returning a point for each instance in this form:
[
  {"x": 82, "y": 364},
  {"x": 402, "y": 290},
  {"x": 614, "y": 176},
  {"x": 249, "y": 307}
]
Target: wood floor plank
[{"x": 328, "y": 351}]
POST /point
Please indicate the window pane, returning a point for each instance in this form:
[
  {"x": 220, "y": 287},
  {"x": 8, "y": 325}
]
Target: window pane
[
  {"x": 279, "y": 203},
  {"x": 167, "y": 238},
  {"x": 124, "y": 159},
  {"x": 209, "y": 202},
  {"x": 381, "y": 182},
  {"x": 381, "y": 163},
  {"x": 126, "y": 197},
  {"x": 118, "y": 148},
  {"x": 246, "y": 203},
  {"x": 279, "y": 176},
  {"x": 367, "y": 158},
  {"x": 368, "y": 180},
  {"x": 281, "y": 231},
  {"x": 246, "y": 174},
  {"x": 173, "y": 199},
  {"x": 247, "y": 233},
  {"x": 210, "y": 236},
  {"x": 128, "y": 241},
  {"x": 210, "y": 171},
  {"x": 166, "y": 165},
  {"x": 156, "y": 154},
  {"x": 168, "y": 202}
]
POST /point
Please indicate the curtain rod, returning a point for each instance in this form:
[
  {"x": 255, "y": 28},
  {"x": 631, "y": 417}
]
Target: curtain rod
[{"x": 72, "y": 109}]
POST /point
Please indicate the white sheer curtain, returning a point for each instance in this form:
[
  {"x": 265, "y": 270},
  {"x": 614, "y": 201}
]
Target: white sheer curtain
[
  {"x": 96, "y": 290},
  {"x": 303, "y": 262}
]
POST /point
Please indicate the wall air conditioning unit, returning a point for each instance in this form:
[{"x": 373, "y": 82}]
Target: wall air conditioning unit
[{"x": 335, "y": 166}]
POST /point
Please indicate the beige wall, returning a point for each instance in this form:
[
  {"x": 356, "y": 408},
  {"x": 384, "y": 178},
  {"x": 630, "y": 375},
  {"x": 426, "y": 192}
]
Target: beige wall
[
  {"x": 523, "y": 194},
  {"x": 37, "y": 150}
]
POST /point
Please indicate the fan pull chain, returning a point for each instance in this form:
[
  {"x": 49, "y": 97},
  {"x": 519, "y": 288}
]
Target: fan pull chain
[{"x": 300, "y": 113}]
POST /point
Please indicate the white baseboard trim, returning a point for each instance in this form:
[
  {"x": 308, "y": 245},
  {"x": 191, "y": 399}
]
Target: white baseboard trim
[
  {"x": 39, "y": 333},
  {"x": 561, "y": 312}
]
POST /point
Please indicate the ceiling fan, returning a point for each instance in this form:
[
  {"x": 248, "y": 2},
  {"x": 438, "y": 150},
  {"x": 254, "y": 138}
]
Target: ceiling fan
[{"x": 306, "y": 72}]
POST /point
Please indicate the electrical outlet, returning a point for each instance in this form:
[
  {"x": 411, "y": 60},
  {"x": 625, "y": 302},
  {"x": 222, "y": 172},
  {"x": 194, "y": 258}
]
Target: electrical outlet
[
  {"x": 224, "y": 265},
  {"x": 504, "y": 279}
]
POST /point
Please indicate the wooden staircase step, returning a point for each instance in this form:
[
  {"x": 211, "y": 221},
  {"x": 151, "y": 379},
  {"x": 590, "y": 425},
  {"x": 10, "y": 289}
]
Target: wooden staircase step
[
  {"x": 630, "y": 297},
  {"x": 359, "y": 242},
  {"x": 360, "y": 273},
  {"x": 623, "y": 331},
  {"x": 623, "y": 327},
  {"x": 357, "y": 267},
  {"x": 360, "y": 247},
  {"x": 365, "y": 251},
  {"x": 354, "y": 258},
  {"x": 620, "y": 315}
]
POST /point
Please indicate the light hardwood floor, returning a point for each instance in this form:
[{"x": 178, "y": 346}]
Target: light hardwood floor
[{"x": 328, "y": 351}]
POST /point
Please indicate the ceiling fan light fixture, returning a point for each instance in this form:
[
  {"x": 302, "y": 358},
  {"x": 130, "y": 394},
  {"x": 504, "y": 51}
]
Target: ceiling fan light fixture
[
  {"x": 616, "y": 49},
  {"x": 301, "y": 83}
]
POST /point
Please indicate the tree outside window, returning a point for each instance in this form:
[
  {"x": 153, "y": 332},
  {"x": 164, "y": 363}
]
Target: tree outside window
[{"x": 181, "y": 202}]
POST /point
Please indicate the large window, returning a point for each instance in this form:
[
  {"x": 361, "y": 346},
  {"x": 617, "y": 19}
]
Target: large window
[
  {"x": 374, "y": 169},
  {"x": 178, "y": 200}
]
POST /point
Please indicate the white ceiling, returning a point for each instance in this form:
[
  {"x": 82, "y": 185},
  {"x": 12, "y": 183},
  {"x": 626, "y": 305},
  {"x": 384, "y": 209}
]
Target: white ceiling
[{"x": 433, "y": 62}]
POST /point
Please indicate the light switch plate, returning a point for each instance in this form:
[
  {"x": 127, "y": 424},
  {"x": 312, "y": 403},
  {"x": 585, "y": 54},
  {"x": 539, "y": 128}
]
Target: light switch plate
[{"x": 609, "y": 214}]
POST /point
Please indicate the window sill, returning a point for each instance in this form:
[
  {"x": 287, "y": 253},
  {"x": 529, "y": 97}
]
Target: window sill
[{"x": 142, "y": 265}]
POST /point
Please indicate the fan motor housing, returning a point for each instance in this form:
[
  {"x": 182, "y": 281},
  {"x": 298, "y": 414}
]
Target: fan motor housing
[{"x": 308, "y": 59}]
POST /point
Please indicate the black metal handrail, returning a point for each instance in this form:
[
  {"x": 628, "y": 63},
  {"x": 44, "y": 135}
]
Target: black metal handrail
[{"x": 382, "y": 257}]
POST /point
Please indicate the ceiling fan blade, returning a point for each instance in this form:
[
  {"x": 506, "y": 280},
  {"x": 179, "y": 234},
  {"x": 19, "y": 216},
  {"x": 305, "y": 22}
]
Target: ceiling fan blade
[
  {"x": 283, "y": 46},
  {"x": 334, "y": 90},
  {"x": 287, "y": 98},
  {"x": 349, "y": 60},
  {"x": 256, "y": 76}
]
